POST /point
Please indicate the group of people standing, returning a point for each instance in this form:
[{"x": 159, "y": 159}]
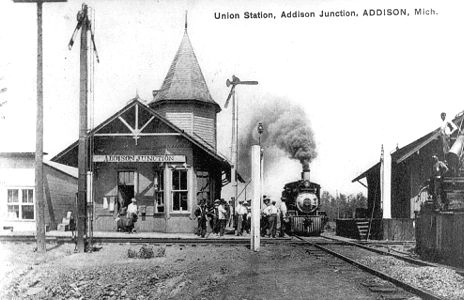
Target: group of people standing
[
  {"x": 271, "y": 215},
  {"x": 218, "y": 215},
  {"x": 221, "y": 213}
]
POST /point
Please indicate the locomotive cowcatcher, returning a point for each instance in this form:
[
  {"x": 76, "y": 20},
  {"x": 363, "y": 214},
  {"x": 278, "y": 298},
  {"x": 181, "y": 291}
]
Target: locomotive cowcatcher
[{"x": 302, "y": 199}]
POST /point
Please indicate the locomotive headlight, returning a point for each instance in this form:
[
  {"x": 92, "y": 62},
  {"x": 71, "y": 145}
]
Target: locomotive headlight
[
  {"x": 306, "y": 184},
  {"x": 307, "y": 202}
]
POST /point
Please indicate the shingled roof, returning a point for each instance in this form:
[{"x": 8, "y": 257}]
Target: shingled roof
[{"x": 184, "y": 81}]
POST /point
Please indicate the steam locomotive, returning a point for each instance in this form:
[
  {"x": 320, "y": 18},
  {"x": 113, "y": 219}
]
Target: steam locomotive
[{"x": 302, "y": 199}]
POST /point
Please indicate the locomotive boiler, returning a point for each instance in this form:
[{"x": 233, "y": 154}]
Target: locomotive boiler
[{"x": 302, "y": 199}]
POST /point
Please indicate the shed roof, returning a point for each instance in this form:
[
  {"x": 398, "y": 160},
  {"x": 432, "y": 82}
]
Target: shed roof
[
  {"x": 18, "y": 154},
  {"x": 367, "y": 172},
  {"x": 68, "y": 170},
  {"x": 184, "y": 80}
]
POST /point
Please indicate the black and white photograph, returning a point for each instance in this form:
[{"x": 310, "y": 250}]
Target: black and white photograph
[{"x": 195, "y": 149}]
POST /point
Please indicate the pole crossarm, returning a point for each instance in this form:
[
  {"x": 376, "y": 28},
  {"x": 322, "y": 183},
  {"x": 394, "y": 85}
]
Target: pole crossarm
[{"x": 234, "y": 82}]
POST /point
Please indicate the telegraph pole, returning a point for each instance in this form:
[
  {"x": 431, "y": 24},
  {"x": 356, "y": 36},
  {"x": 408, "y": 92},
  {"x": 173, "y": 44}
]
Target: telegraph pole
[
  {"x": 83, "y": 23},
  {"x": 38, "y": 192},
  {"x": 83, "y": 144}
]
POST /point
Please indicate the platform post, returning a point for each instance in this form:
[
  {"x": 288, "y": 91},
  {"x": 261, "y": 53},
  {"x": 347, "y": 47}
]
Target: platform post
[{"x": 256, "y": 199}]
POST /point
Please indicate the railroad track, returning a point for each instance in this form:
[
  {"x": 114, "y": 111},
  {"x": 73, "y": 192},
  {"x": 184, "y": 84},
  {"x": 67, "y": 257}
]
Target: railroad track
[
  {"x": 134, "y": 239},
  {"x": 400, "y": 255},
  {"x": 326, "y": 247}
]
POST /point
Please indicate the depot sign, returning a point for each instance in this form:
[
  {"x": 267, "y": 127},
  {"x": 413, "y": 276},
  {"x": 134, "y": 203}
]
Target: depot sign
[{"x": 140, "y": 158}]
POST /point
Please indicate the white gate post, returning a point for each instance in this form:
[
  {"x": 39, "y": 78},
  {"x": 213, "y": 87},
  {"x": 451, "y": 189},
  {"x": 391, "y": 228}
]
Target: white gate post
[{"x": 256, "y": 199}]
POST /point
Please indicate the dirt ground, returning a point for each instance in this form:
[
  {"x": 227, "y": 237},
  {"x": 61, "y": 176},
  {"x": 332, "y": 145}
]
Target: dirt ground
[{"x": 181, "y": 272}]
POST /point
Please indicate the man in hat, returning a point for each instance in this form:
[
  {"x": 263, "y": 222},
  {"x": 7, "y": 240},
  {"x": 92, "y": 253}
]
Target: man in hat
[
  {"x": 132, "y": 211},
  {"x": 247, "y": 217},
  {"x": 132, "y": 208},
  {"x": 439, "y": 169},
  {"x": 272, "y": 219},
  {"x": 283, "y": 217},
  {"x": 213, "y": 213},
  {"x": 447, "y": 128},
  {"x": 264, "y": 217},
  {"x": 240, "y": 214},
  {"x": 222, "y": 216},
  {"x": 200, "y": 213}
]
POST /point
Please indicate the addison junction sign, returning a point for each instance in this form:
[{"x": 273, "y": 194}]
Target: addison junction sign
[{"x": 165, "y": 158}]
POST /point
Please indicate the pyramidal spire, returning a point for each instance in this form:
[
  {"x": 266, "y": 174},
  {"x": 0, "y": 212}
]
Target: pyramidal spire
[{"x": 184, "y": 80}]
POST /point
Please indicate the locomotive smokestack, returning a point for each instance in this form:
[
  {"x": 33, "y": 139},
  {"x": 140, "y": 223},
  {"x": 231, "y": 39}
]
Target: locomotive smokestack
[
  {"x": 287, "y": 129},
  {"x": 306, "y": 171}
]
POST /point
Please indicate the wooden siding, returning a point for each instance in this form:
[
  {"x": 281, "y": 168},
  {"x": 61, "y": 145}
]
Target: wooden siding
[
  {"x": 60, "y": 196},
  {"x": 205, "y": 128},
  {"x": 409, "y": 176},
  {"x": 401, "y": 229},
  {"x": 439, "y": 237},
  {"x": 182, "y": 120},
  {"x": 400, "y": 198},
  {"x": 193, "y": 118}
]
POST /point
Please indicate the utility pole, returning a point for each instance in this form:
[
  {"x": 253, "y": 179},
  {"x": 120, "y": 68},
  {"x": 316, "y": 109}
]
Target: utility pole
[
  {"x": 38, "y": 192},
  {"x": 83, "y": 23},
  {"x": 234, "y": 145}
]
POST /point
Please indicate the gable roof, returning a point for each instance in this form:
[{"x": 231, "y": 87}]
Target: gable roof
[
  {"x": 411, "y": 148},
  {"x": 211, "y": 152},
  {"x": 184, "y": 80},
  {"x": 408, "y": 150}
]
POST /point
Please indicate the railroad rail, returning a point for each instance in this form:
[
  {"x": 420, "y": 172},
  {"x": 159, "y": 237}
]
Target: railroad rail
[
  {"x": 410, "y": 288},
  {"x": 398, "y": 256},
  {"x": 133, "y": 239}
]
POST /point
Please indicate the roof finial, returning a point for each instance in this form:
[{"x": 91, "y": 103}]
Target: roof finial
[{"x": 186, "y": 13}]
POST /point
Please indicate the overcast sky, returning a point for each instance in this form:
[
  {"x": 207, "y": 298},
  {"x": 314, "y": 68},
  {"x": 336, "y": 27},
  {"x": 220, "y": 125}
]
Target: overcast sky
[{"x": 362, "y": 81}]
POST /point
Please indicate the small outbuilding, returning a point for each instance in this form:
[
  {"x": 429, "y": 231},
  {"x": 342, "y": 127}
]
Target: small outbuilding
[
  {"x": 17, "y": 192},
  {"x": 411, "y": 167}
]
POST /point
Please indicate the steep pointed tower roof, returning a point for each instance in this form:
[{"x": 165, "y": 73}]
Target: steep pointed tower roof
[{"x": 184, "y": 81}]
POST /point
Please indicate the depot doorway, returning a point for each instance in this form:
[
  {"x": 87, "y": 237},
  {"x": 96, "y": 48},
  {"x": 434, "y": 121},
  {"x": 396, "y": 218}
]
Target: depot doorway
[{"x": 126, "y": 188}]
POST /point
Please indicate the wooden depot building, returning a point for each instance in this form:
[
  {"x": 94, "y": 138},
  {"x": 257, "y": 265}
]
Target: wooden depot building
[{"x": 162, "y": 153}]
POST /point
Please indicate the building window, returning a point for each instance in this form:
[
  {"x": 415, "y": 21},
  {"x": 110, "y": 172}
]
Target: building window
[
  {"x": 20, "y": 204},
  {"x": 158, "y": 183},
  {"x": 179, "y": 190}
]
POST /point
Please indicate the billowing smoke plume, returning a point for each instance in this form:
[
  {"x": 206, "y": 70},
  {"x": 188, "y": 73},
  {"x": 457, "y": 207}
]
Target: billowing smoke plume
[{"x": 286, "y": 128}]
